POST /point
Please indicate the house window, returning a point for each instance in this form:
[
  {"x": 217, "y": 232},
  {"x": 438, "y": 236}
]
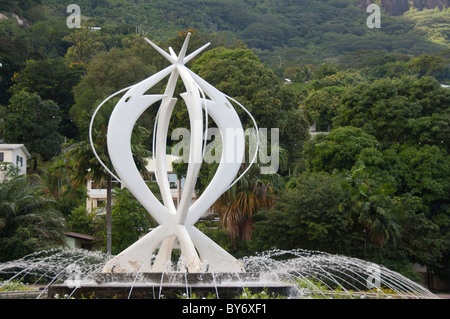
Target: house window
[
  {"x": 2, "y": 156},
  {"x": 19, "y": 159}
]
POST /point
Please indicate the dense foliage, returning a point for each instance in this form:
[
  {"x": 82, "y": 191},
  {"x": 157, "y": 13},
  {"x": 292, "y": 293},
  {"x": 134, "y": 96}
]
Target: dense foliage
[
  {"x": 376, "y": 186},
  {"x": 28, "y": 220}
]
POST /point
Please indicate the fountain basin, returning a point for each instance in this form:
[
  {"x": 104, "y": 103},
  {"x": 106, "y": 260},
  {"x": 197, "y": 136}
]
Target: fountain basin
[{"x": 170, "y": 286}]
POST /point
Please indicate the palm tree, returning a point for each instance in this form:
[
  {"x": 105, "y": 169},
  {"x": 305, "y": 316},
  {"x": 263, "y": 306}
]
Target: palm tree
[
  {"x": 86, "y": 165},
  {"x": 236, "y": 206},
  {"x": 252, "y": 192},
  {"x": 373, "y": 205},
  {"x": 28, "y": 220}
]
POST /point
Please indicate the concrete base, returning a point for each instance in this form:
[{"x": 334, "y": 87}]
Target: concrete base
[
  {"x": 176, "y": 277},
  {"x": 169, "y": 286}
]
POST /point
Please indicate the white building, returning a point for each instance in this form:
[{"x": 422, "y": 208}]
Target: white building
[
  {"x": 15, "y": 155},
  {"x": 95, "y": 196}
]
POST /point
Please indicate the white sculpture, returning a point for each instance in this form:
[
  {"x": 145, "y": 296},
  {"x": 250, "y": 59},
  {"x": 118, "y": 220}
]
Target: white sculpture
[{"x": 198, "y": 251}]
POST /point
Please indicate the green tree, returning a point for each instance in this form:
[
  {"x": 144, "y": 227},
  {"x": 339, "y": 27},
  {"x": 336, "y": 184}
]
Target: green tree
[
  {"x": 311, "y": 213},
  {"x": 28, "y": 221},
  {"x": 130, "y": 220},
  {"x": 324, "y": 70},
  {"x": 52, "y": 79},
  {"x": 14, "y": 51},
  {"x": 426, "y": 172},
  {"x": 85, "y": 44},
  {"x": 33, "y": 121},
  {"x": 338, "y": 149},
  {"x": 80, "y": 221},
  {"x": 429, "y": 250},
  {"x": 108, "y": 72},
  {"x": 239, "y": 74},
  {"x": 372, "y": 206},
  {"x": 339, "y": 79},
  {"x": 293, "y": 132},
  {"x": 320, "y": 107},
  {"x": 434, "y": 129},
  {"x": 57, "y": 180},
  {"x": 429, "y": 65},
  {"x": 392, "y": 109}
]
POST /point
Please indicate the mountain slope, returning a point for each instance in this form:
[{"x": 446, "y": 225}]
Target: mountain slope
[{"x": 281, "y": 31}]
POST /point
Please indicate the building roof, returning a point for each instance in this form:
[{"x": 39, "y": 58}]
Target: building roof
[
  {"x": 15, "y": 146},
  {"x": 78, "y": 235}
]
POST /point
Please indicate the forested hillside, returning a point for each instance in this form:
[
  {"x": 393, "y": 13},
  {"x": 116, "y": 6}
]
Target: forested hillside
[
  {"x": 283, "y": 33},
  {"x": 370, "y": 188}
]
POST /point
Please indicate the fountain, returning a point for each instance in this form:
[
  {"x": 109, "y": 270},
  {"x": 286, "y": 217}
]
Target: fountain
[
  {"x": 295, "y": 274},
  {"x": 145, "y": 269},
  {"x": 41, "y": 269}
]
